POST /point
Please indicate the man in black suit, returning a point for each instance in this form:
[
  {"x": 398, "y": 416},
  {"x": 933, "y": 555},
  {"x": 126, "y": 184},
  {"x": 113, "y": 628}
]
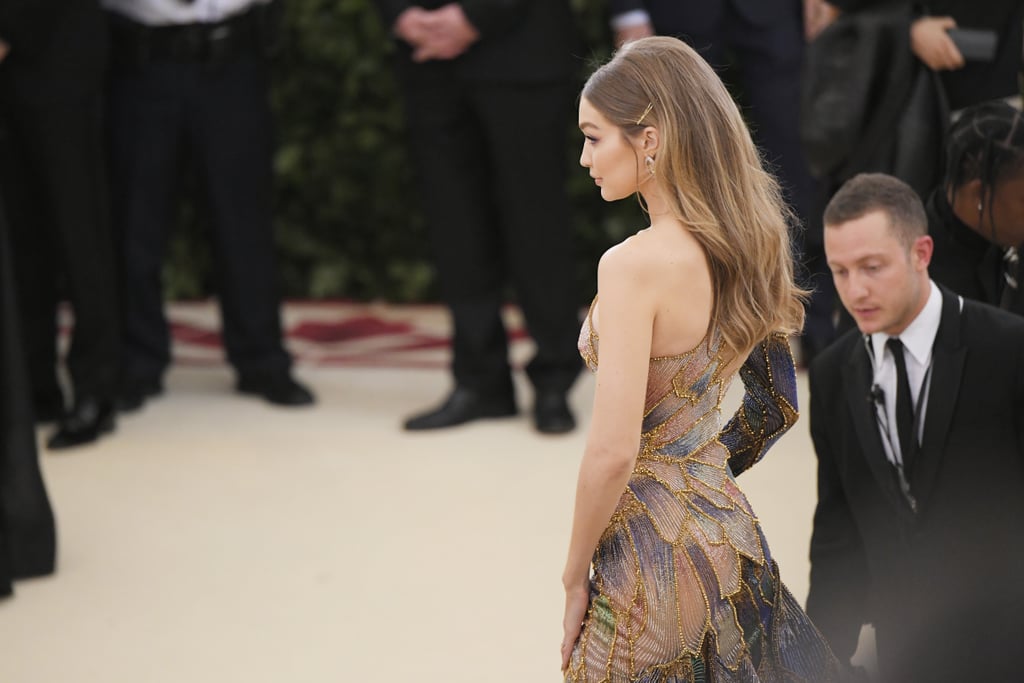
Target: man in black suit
[
  {"x": 53, "y": 181},
  {"x": 917, "y": 419},
  {"x": 762, "y": 42},
  {"x": 488, "y": 97},
  {"x": 189, "y": 89}
]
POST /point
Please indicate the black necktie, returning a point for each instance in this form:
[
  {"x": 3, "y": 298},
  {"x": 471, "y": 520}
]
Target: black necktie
[{"x": 904, "y": 405}]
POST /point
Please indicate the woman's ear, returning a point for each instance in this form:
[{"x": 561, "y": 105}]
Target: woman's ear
[{"x": 650, "y": 141}]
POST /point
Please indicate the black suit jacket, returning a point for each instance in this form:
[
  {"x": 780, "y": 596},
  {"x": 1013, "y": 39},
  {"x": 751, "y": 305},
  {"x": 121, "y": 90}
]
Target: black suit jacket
[
  {"x": 976, "y": 81},
  {"x": 521, "y": 41},
  {"x": 942, "y": 586},
  {"x": 673, "y": 17},
  {"x": 58, "y": 49}
]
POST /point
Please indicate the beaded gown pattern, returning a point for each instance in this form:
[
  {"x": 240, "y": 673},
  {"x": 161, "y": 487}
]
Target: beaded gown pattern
[{"x": 684, "y": 588}]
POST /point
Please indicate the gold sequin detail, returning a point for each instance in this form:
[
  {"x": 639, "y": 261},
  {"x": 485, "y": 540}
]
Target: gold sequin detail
[{"x": 683, "y": 554}]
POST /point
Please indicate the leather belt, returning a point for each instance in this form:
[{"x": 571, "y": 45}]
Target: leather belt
[{"x": 135, "y": 44}]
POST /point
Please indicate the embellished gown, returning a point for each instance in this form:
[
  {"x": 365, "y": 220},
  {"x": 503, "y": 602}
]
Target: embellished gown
[{"x": 684, "y": 588}]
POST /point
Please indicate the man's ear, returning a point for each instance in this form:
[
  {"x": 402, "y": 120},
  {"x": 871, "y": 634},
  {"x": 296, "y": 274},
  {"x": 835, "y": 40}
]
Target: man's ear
[{"x": 922, "y": 250}]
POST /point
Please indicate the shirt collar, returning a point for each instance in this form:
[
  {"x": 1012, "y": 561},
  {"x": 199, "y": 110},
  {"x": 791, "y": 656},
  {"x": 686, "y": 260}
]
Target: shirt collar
[{"x": 919, "y": 337}]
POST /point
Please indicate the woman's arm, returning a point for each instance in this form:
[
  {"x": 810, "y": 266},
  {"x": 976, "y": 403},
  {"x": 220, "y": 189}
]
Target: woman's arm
[
  {"x": 769, "y": 406},
  {"x": 626, "y": 318}
]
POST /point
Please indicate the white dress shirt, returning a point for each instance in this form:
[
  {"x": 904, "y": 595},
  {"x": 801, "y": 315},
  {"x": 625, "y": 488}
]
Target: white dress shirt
[
  {"x": 175, "y": 12},
  {"x": 918, "y": 339},
  {"x": 636, "y": 17}
]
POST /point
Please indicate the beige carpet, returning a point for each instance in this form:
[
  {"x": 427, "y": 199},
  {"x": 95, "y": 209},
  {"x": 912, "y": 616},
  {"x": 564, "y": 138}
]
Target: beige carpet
[{"x": 216, "y": 538}]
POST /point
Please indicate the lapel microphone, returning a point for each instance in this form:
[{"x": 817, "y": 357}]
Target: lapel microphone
[{"x": 876, "y": 395}]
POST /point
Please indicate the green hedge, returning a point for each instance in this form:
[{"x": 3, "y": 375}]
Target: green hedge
[{"x": 347, "y": 222}]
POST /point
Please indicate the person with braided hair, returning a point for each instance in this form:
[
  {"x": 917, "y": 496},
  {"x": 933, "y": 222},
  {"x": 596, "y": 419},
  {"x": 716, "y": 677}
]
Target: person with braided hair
[{"x": 976, "y": 216}]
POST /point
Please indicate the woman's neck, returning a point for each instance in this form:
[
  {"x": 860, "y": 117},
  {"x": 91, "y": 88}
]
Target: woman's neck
[{"x": 655, "y": 204}]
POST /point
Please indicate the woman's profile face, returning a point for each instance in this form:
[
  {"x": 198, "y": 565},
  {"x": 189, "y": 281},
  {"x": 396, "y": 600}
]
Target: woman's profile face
[{"x": 614, "y": 162}]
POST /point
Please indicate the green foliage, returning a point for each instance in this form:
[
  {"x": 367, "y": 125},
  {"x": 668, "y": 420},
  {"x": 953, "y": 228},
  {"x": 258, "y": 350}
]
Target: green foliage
[{"x": 348, "y": 224}]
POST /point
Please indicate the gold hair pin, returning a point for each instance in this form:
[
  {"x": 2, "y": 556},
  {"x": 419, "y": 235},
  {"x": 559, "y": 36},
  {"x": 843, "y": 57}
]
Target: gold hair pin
[{"x": 646, "y": 112}]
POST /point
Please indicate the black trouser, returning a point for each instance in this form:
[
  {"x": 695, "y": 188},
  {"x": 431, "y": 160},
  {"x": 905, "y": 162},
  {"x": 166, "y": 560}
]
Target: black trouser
[
  {"x": 216, "y": 116},
  {"x": 55, "y": 190},
  {"x": 492, "y": 170},
  {"x": 27, "y": 534}
]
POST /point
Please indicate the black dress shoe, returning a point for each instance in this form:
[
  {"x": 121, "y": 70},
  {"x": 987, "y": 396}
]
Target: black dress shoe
[
  {"x": 87, "y": 421},
  {"x": 133, "y": 393},
  {"x": 551, "y": 414},
  {"x": 277, "y": 388},
  {"x": 463, "y": 405}
]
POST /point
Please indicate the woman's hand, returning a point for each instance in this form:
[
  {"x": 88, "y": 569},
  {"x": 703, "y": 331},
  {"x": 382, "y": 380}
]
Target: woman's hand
[
  {"x": 933, "y": 46},
  {"x": 577, "y": 600}
]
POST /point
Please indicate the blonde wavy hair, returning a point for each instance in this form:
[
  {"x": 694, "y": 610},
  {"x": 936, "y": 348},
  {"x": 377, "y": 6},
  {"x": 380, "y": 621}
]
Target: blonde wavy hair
[{"x": 713, "y": 179}]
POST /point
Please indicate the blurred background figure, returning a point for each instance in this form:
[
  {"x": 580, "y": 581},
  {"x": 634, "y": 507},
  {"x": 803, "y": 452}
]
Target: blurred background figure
[
  {"x": 189, "y": 84},
  {"x": 757, "y": 47},
  {"x": 976, "y": 216},
  {"x": 884, "y": 78},
  {"x": 488, "y": 94},
  {"x": 27, "y": 534},
  {"x": 52, "y": 179}
]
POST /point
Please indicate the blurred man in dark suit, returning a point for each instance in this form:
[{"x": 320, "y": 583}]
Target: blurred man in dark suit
[
  {"x": 53, "y": 181},
  {"x": 189, "y": 88},
  {"x": 488, "y": 91},
  {"x": 757, "y": 46}
]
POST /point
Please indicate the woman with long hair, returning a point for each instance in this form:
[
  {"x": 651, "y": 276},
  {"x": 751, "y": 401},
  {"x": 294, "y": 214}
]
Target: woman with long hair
[{"x": 669, "y": 577}]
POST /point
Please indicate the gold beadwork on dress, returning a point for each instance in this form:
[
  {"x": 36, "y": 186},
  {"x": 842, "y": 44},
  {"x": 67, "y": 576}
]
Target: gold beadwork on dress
[{"x": 683, "y": 585}]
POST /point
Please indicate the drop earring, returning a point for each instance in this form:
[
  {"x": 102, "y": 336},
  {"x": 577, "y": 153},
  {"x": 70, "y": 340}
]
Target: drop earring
[{"x": 649, "y": 162}]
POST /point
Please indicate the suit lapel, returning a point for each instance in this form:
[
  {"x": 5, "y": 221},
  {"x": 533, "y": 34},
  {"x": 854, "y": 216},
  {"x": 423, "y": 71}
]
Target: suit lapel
[
  {"x": 857, "y": 380},
  {"x": 948, "y": 355}
]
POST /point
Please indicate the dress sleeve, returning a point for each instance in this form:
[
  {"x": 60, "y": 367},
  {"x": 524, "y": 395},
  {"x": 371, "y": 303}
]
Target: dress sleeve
[{"x": 769, "y": 405}]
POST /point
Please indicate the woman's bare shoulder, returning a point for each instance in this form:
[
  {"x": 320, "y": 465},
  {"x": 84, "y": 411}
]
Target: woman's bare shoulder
[
  {"x": 653, "y": 253},
  {"x": 630, "y": 259}
]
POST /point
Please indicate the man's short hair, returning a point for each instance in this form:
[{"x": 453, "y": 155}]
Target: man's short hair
[{"x": 868, "y": 192}]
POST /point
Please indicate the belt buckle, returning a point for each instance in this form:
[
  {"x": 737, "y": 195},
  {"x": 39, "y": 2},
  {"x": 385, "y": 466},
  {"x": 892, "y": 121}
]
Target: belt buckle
[{"x": 218, "y": 41}]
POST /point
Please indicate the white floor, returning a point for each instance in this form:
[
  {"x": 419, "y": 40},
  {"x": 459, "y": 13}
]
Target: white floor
[{"x": 216, "y": 538}]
